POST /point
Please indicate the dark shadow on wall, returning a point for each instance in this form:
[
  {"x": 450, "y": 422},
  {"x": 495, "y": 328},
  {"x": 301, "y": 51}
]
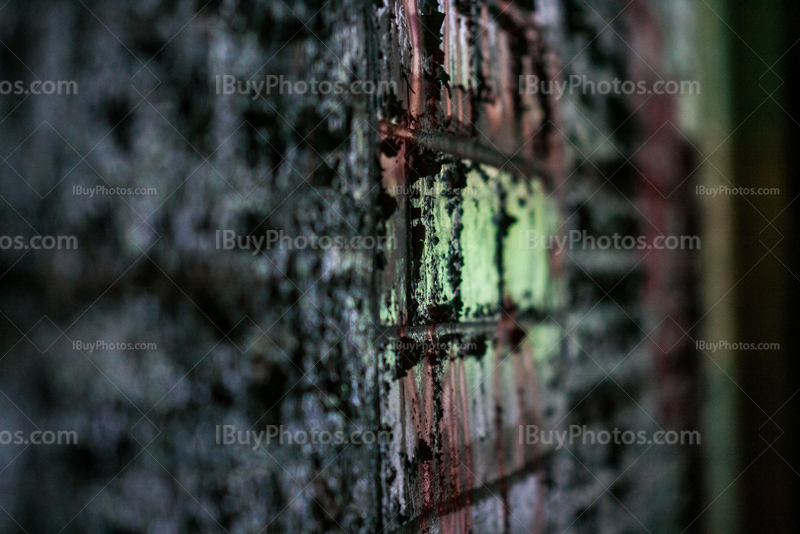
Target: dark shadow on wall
[{"x": 765, "y": 81}]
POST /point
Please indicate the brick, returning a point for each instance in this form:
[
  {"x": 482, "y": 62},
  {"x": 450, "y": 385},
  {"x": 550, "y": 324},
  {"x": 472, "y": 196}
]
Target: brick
[{"x": 452, "y": 337}]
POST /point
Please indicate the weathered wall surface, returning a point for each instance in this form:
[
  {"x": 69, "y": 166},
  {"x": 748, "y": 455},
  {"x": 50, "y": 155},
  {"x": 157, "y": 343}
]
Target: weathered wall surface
[
  {"x": 243, "y": 339},
  {"x": 518, "y": 336},
  {"x": 452, "y": 337}
]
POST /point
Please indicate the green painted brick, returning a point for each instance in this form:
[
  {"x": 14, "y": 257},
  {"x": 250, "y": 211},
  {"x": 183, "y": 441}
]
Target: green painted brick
[
  {"x": 439, "y": 216},
  {"x": 526, "y": 269},
  {"x": 480, "y": 284}
]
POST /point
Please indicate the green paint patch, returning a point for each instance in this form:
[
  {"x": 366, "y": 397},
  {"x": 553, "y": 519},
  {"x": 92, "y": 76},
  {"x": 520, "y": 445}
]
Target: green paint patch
[
  {"x": 470, "y": 229},
  {"x": 546, "y": 340},
  {"x": 435, "y": 291},
  {"x": 480, "y": 276},
  {"x": 526, "y": 269}
]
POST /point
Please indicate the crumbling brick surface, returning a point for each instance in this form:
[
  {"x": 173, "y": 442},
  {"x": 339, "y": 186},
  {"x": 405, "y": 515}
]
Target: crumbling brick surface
[
  {"x": 453, "y": 337},
  {"x": 600, "y": 330}
]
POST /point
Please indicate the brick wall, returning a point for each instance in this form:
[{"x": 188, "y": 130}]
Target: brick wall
[
  {"x": 487, "y": 335},
  {"x": 452, "y": 337}
]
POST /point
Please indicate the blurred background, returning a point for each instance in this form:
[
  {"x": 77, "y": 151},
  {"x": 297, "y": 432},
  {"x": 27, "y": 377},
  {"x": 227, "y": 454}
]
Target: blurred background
[
  {"x": 750, "y": 281},
  {"x": 760, "y": 48}
]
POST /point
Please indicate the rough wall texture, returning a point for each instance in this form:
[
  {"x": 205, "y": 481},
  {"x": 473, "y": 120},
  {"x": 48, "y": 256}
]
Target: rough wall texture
[
  {"x": 452, "y": 337},
  {"x": 242, "y": 339},
  {"x": 493, "y": 336}
]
